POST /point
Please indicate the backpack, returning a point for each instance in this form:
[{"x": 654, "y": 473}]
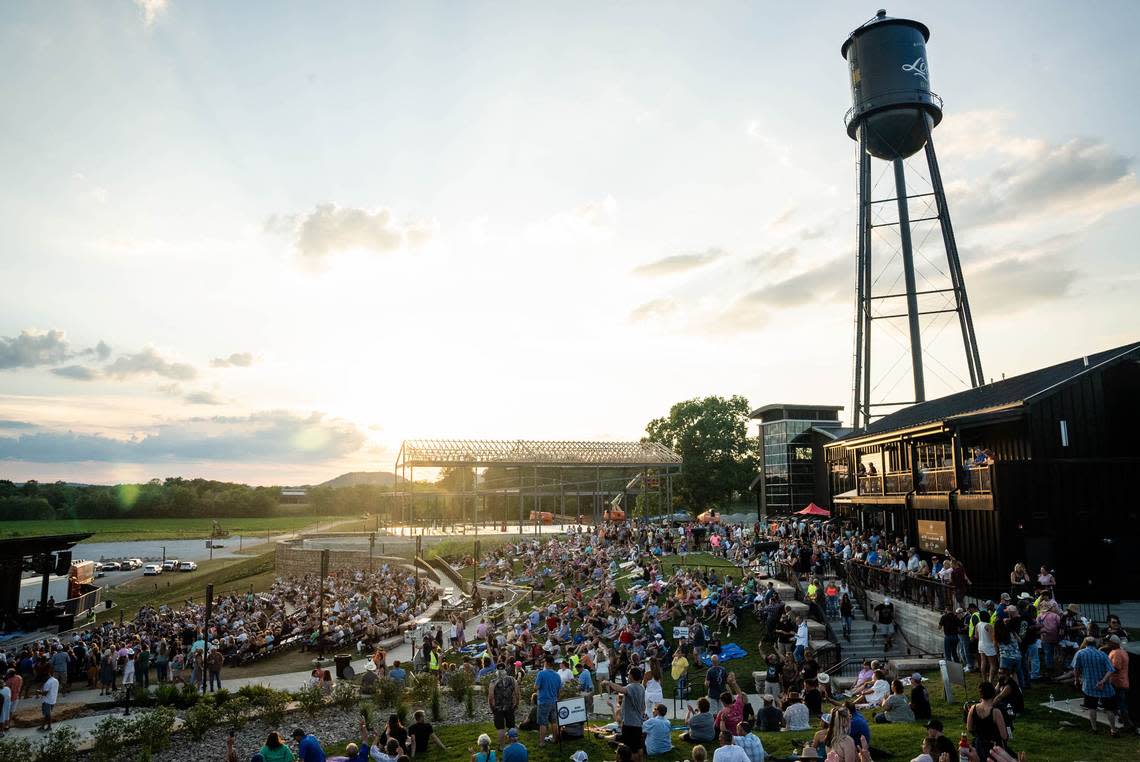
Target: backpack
[{"x": 504, "y": 693}]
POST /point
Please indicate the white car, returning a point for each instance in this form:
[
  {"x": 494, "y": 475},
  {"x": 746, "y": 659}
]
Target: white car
[
  {"x": 170, "y": 564},
  {"x": 152, "y": 570},
  {"x": 187, "y": 566},
  {"x": 133, "y": 563},
  {"x": 110, "y": 566}
]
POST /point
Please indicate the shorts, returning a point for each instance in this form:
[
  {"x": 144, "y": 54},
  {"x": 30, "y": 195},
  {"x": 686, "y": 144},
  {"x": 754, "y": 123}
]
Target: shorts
[
  {"x": 1107, "y": 703},
  {"x": 504, "y": 720},
  {"x": 547, "y": 714},
  {"x": 633, "y": 737},
  {"x": 46, "y": 708},
  {"x": 886, "y": 629}
]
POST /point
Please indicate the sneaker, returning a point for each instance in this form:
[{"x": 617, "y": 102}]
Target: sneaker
[{"x": 548, "y": 739}]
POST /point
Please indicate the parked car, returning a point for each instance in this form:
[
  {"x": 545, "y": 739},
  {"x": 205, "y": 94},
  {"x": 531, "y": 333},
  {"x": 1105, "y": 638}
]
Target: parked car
[
  {"x": 170, "y": 564},
  {"x": 152, "y": 570},
  {"x": 110, "y": 566},
  {"x": 133, "y": 563},
  {"x": 187, "y": 566},
  {"x": 99, "y": 570}
]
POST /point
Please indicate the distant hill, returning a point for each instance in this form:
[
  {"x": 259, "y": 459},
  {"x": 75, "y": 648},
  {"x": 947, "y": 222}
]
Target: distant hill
[{"x": 353, "y": 478}]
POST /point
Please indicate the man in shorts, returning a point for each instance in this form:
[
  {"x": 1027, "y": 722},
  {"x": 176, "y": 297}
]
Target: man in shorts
[
  {"x": 885, "y": 623},
  {"x": 632, "y": 713},
  {"x": 503, "y": 698},
  {"x": 548, "y": 684},
  {"x": 1091, "y": 672}
]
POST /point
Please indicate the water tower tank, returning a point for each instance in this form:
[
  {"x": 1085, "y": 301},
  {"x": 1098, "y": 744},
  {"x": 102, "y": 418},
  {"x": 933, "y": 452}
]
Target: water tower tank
[{"x": 890, "y": 86}]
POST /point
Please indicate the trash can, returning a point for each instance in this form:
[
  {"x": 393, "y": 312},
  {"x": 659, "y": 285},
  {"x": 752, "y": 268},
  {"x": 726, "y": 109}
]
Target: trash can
[{"x": 342, "y": 661}]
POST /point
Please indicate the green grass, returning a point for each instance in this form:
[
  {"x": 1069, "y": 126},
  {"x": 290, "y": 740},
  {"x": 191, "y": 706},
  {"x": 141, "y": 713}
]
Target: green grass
[
  {"x": 112, "y": 530},
  {"x": 466, "y": 546}
]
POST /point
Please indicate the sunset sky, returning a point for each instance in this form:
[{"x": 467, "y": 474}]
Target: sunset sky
[{"x": 267, "y": 241}]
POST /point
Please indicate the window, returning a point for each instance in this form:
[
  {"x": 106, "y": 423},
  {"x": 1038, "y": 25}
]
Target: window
[
  {"x": 1064, "y": 433},
  {"x": 801, "y": 453}
]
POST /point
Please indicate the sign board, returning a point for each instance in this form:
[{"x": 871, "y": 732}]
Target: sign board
[
  {"x": 571, "y": 711},
  {"x": 932, "y": 536},
  {"x": 680, "y": 632}
]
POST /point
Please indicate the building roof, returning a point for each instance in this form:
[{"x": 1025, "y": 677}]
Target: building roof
[
  {"x": 23, "y": 547},
  {"x": 517, "y": 452},
  {"x": 1009, "y": 392},
  {"x": 832, "y": 432},
  {"x": 779, "y": 406}
]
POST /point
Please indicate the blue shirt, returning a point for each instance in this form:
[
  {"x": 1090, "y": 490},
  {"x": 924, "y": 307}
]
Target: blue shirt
[
  {"x": 586, "y": 681},
  {"x": 859, "y": 727},
  {"x": 657, "y": 735},
  {"x": 398, "y": 674},
  {"x": 309, "y": 750},
  {"x": 548, "y": 684},
  {"x": 1094, "y": 665},
  {"x": 752, "y": 747},
  {"x": 515, "y": 752}
]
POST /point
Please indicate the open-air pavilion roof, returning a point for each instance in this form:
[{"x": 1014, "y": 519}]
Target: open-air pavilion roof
[{"x": 528, "y": 452}]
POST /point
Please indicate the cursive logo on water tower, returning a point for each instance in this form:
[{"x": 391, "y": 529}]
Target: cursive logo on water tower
[{"x": 918, "y": 67}]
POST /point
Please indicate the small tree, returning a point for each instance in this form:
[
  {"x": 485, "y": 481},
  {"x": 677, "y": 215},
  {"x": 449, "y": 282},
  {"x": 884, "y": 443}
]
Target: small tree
[
  {"x": 469, "y": 702},
  {"x": 311, "y": 699},
  {"x": 151, "y": 730},
  {"x": 199, "y": 719},
  {"x": 16, "y": 750},
  {"x": 235, "y": 711},
  {"x": 60, "y": 746},
  {"x": 436, "y": 709},
  {"x": 109, "y": 737}
]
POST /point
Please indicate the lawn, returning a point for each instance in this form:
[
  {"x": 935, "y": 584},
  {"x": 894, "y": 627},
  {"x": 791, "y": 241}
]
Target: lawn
[{"x": 122, "y": 530}]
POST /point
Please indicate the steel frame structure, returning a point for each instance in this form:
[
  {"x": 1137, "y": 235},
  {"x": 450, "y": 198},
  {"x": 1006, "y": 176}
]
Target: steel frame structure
[
  {"x": 862, "y": 403},
  {"x": 640, "y": 457}
]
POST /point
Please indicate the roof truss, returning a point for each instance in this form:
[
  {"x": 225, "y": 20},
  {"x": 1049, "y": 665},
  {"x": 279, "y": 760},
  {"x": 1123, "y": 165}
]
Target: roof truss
[{"x": 528, "y": 452}]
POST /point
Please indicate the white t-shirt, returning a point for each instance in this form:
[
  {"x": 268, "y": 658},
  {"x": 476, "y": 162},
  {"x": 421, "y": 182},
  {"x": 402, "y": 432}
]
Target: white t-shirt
[
  {"x": 731, "y": 753},
  {"x": 880, "y": 689},
  {"x": 51, "y": 691}
]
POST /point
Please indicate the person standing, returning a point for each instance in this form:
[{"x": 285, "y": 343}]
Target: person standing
[
  {"x": 1119, "y": 679},
  {"x": 885, "y": 622},
  {"x": 50, "y": 694},
  {"x": 715, "y": 679},
  {"x": 1092, "y": 670},
  {"x": 950, "y": 624},
  {"x": 142, "y": 666},
  {"x": 214, "y": 666},
  {"x": 503, "y": 699},
  {"x": 632, "y": 713},
  {"x": 5, "y": 707},
  {"x": 548, "y": 684},
  {"x": 986, "y": 723},
  {"x": 801, "y": 641}
]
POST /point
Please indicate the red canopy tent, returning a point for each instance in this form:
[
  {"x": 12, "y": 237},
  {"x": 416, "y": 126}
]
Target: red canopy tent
[{"x": 813, "y": 510}]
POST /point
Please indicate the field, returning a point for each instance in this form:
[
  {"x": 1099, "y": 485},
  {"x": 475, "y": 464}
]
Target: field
[{"x": 121, "y": 530}]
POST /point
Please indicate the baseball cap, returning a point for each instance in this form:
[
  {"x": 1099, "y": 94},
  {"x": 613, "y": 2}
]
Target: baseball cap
[
  {"x": 513, "y": 733},
  {"x": 916, "y": 677}
]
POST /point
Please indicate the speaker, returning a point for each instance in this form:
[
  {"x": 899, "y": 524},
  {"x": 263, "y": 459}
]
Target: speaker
[{"x": 62, "y": 562}]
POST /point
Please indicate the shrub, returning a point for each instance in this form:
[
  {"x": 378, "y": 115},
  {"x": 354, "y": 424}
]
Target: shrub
[
  {"x": 151, "y": 730},
  {"x": 436, "y": 709},
  {"x": 311, "y": 699},
  {"x": 367, "y": 713},
  {"x": 273, "y": 706},
  {"x": 388, "y": 693},
  {"x": 110, "y": 735},
  {"x": 199, "y": 720},
  {"x": 167, "y": 695},
  {"x": 345, "y": 694},
  {"x": 402, "y": 712},
  {"x": 459, "y": 683},
  {"x": 60, "y": 746},
  {"x": 16, "y": 750},
  {"x": 235, "y": 711},
  {"x": 469, "y": 702},
  {"x": 221, "y": 696},
  {"x": 421, "y": 686},
  {"x": 188, "y": 696}
]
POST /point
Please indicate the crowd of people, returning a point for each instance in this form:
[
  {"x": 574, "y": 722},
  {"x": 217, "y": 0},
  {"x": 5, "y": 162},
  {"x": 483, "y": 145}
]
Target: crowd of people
[{"x": 173, "y": 644}]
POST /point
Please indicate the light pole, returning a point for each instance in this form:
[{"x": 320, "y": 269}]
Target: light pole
[{"x": 321, "y": 623}]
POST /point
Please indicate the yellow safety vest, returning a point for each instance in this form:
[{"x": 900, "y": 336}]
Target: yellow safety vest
[{"x": 433, "y": 662}]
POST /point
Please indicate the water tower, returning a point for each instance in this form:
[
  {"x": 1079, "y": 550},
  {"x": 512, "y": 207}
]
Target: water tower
[{"x": 893, "y": 118}]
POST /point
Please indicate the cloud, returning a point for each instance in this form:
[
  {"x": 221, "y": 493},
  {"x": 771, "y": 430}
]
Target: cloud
[
  {"x": 591, "y": 221},
  {"x": 781, "y": 151},
  {"x": 32, "y": 348},
  {"x": 266, "y": 437},
  {"x": 774, "y": 259},
  {"x": 76, "y": 372},
  {"x": 1029, "y": 179},
  {"x": 679, "y": 263},
  {"x": 149, "y": 361},
  {"x": 102, "y": 350},
  {"x": 203, "y": 398},
  {"x": 151, "y": 10},
  {"x": 236, "y": 360},
  {"x": 10, "y": 425},
  {"x": 655, "y": 308},
  {"x": 331, "y": 229},
  {"x": 1015, "y": 284},
  {"x": 824, "y": 283}
]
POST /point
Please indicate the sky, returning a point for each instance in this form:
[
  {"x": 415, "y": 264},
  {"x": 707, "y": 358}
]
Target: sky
[{"x": 268, "y": 241}]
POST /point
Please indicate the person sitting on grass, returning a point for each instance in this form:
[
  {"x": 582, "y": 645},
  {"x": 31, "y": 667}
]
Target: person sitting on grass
[
  {"x": 420, "y": 735},
  {"x": 658, "y": 732},
  {"x": 701, "y": 724},
  {"x": 275, "y": 749},
  {"x": 748, "y": 741},
  {"x": 483, "y": 752},
  {"x": 896, "y": 707},
  {"x": 698, "y": 754},
  {"x": 770, "y": 719},
  {"x": 728, "y": 751},
  {"x": 796, "y": 715}
]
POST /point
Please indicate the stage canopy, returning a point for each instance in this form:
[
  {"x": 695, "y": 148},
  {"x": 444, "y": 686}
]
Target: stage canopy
[{"x": 813, "y": 510}]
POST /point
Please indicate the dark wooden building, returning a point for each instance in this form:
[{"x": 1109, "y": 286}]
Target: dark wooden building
[{"x": 1034, "y": 468}]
